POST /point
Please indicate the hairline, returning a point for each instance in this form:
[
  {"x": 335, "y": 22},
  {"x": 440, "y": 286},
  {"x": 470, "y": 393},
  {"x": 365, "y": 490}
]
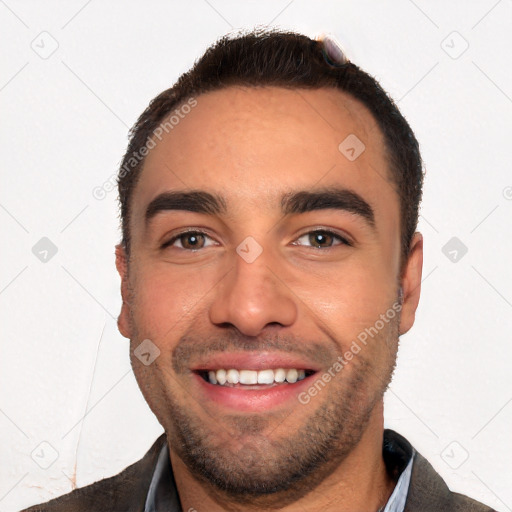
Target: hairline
[{"x": 386, "y": 150}]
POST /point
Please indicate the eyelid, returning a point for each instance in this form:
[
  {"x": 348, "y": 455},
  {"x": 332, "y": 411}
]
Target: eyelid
[
  {"x": 176, "y": 236},
  {"x": 344, "y": 240}
]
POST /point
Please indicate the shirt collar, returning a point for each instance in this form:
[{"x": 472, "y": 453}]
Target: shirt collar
[
  {"x": 396, "y": 502},
  {"x": 397, "y": 452},
  {"x": 163, "y": 493}
]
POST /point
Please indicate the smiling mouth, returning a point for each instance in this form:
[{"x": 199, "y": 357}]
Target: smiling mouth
[{"x": 242, "y": 378}]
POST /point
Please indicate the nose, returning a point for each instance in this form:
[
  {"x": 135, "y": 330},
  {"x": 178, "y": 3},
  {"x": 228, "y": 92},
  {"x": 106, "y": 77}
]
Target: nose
[{"x": 251, "y": 297}]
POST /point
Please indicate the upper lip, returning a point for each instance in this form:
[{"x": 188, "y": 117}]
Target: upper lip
[{"x": 253, "y": 361}]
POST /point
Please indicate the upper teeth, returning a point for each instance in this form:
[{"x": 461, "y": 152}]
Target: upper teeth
[{"x": 233, "y": 376}]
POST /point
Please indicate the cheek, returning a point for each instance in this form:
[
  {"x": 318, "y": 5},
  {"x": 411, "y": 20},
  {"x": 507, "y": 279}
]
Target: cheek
[
  {"x": 350, "y": 299},
  {"x": 166, "y": 300}
]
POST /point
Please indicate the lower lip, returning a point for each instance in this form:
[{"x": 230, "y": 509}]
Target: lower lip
[{"x": 252, "y": 400}]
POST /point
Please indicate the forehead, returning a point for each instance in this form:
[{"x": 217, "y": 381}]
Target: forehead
[{"x": 251, "y": 144}]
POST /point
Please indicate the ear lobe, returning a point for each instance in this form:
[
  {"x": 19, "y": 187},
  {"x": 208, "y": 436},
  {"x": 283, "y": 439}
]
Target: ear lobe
[
  {"x": 123, "y": 320},
  {"x": 411, "y": 283}
]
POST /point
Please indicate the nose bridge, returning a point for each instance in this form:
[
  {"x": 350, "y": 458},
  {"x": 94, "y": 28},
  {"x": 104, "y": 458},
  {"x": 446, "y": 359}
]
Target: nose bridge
[
  {"x": 252, "y": 295},
  {"x": 256, "y": 279}
]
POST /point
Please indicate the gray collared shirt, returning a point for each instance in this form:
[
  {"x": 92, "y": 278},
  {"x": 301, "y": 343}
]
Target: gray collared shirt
[{"x": 163, "y": 494}]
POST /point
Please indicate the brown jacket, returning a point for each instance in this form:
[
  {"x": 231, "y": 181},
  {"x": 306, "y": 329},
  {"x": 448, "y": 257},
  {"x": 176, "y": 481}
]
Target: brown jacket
[{"x": 126, "y": 491}]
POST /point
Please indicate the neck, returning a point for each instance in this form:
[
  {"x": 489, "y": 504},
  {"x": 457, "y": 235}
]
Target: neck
[{"x": 359, "y": 483}]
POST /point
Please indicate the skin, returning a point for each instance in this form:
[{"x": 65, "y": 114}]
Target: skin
[{"x": 252, "y": 146}]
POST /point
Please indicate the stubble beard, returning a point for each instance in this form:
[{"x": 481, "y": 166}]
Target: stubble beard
[{"x": 251, "y": 466}]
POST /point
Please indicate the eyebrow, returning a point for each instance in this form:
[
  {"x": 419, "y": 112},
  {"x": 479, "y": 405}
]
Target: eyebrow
[
  {"x": 292, "y": 203},
  {"x": 329, "y": 198},
  {"x": 194, "y": 201}
]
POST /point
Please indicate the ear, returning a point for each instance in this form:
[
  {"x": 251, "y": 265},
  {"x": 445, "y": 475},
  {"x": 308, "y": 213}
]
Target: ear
[
  {"x": 411, "y": 283},
  {"x": 123, "y": 320}
]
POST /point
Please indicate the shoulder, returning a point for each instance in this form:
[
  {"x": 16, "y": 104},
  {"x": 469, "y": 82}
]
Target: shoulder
[
  {"x": 428, "y": 492},
  {"x": 125, "y": 491}
]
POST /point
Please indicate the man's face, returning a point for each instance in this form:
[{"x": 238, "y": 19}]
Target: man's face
[{"x": 267, "y": 280}]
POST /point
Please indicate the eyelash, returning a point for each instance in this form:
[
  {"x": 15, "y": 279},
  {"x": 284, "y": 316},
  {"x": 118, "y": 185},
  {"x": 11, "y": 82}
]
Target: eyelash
[{"x": 340, "y": 238}]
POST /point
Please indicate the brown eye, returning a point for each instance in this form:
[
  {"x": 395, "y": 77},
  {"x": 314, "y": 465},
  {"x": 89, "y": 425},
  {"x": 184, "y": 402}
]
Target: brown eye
[
  {"x": 191, "y": 240},
  {"x": 322, "y": 239}
]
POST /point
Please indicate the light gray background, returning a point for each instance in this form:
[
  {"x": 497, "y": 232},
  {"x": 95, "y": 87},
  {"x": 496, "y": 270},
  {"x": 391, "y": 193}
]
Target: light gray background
[{"x": 65, "y": 377}]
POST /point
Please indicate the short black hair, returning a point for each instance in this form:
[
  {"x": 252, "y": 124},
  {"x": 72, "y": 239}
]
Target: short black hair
[{"x": 270, "y": 57}]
